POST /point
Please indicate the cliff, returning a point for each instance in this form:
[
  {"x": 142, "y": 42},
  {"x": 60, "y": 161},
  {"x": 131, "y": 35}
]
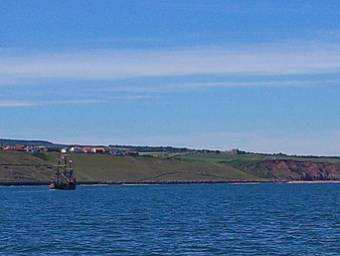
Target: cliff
[{"x": 302, "y": 170}]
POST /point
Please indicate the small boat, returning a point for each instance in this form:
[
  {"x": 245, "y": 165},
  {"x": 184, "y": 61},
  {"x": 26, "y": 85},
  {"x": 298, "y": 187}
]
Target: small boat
[{"x": 64, "y": 177}]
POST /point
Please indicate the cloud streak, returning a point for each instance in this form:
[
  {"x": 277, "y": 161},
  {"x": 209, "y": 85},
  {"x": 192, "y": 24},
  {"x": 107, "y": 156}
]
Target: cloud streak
[
  {"x": 23, "y": 103},
  {"x": 114, "y": 64},
  {"x": 34, "y": 103},
  {"x": 15, "y": 104}
]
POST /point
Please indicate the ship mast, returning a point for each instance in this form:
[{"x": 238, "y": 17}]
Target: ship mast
[
  {"x": 64, "y": 178},
  {"x": 64, "y": 170}
]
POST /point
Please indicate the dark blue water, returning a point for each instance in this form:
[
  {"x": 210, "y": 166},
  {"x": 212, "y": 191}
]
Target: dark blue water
[{"x": 259, "y": 219}]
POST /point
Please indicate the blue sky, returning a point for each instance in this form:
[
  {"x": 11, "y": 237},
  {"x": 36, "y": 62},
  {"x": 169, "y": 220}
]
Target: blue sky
[{"x": 256, "y": 75}]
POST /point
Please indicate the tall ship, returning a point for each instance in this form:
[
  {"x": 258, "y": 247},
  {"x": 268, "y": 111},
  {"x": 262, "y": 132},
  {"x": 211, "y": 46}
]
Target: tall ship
[{"x": 64, "y": 175}]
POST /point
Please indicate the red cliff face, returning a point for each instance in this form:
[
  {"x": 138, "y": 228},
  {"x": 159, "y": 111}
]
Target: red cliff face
[{"x": 302, "y": 170}]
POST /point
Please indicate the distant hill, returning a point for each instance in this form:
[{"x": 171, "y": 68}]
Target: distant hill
[
  {"x": 150, "y": 148},
  {"x": 50, "y": 145},
  {"x": 167, "y": 149},
  {"x": 165, "y": 164},
  {"x": 26, "y": 142},
  {"x": 153, "y": 167}
]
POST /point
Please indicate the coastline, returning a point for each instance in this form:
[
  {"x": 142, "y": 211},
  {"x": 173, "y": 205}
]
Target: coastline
[
  {"x": 149, "y": 182},
  {"x": 312, "y": 181},
  {"x": 99, "y": 183}
]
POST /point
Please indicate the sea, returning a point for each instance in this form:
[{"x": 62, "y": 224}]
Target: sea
[{"x": 195, "y": 219}]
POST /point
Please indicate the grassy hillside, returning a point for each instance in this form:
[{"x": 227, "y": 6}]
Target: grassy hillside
[
  {"x": 25, "y": 167},
  {"x": 108, "y": 168},
  {"x": 226, "y": 157},
  {"x": 18, "y": 167},
  {"x": 274, "y": 166}
]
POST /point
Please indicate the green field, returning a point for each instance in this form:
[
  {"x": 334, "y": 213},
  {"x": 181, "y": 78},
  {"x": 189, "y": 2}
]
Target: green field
[{"x": 106, "y": 168}]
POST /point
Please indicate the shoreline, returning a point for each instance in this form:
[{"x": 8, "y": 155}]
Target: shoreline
[
  {"x": 99, "y": 183},
  {"x": 312, "y": 181},
  {"x": 148, "y": 182}
]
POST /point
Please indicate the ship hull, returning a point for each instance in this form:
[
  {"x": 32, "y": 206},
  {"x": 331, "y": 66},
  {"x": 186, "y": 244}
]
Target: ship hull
[{"x": 63, "y": 186}]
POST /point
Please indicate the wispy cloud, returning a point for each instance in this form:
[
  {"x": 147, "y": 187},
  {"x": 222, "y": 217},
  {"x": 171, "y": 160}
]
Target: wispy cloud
[
  {"x": 23, "y": 103},
  {"x": 15, "y": 104},
  {"x": 114, "y": 64},
  {"x": 34, "y": 103},
  {"x": 158, "y": 88}
]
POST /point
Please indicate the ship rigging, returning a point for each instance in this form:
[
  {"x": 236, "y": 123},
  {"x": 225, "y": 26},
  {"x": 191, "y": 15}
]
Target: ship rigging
[{"x": 64, "y": 176}]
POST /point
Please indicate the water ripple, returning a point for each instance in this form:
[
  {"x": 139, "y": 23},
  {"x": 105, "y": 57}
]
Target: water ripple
[{"x": 259, "y": 219}]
